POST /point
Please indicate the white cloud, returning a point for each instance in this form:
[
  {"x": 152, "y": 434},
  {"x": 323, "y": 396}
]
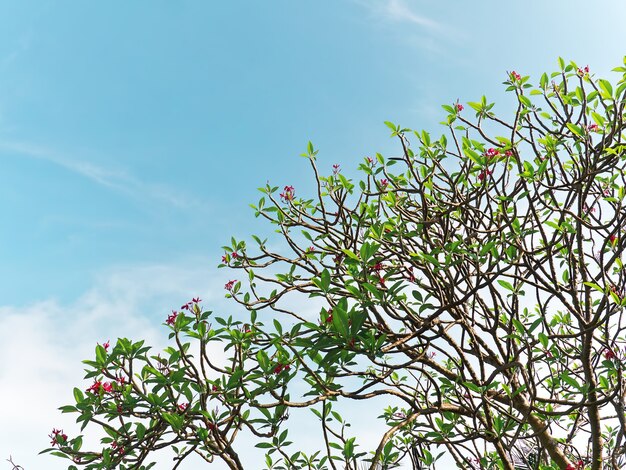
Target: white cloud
[{"x": 42, "y": 346}]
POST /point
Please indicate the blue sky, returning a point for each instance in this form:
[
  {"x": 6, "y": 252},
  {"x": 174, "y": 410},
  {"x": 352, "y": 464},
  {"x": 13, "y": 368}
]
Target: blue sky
[{"x": 133, "y": 136}]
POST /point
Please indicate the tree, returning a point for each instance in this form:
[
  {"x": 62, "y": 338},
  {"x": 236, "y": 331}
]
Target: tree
[{"x": 476, "y": 280}]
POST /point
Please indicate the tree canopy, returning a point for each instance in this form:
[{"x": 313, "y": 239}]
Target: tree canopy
[{"x": 476, "y": 280}]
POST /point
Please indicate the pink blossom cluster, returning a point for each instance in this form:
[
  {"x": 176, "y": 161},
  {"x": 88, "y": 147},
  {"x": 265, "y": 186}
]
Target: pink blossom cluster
[{"x": 288, "y": 194}]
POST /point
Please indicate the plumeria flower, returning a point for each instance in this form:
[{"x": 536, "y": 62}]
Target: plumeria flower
[
  {"x": 579, "y": 466},
  {"x": 95, "y": 387},
  {"x": 515, "y": 76},
  {"x": 459, "y": 107},
  {"x": 171, "y": 318},
  {"x": 58, "y": 437},
  {"x": 106, "y": 345},
  {"x": 288, "y": 194},
  {"x": 230, "y": 285},
  {"x": 336, "y": 169},
  {"x": 384, "y": 182},
  {"x": 281, "y": 367},
  {"x": 483, "y": 174},
  {"x": 491, "y": 153},
  {"x": 583, "y": 71},
  {"x": 587, "y": 209},
  {"x": 609, "y": 354}
]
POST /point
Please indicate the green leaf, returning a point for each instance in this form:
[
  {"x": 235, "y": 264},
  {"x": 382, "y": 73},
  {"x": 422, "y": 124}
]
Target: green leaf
[
  {"x": 569, "y": 380},
  {"x": 325, "y": 280},
  {"x": 594, "y": 286},
  {"x": 534, "y": 325},
  {"x": 605, "y": 88},
  {"x": 350, "y": 254},
  {"x": 140, "y": 430},
  {"x": 279, "y": 327},
  {"x": 525, "y": 101},
  {"x": 507, "y": 285},
  {"x": 577, "y": 130},
  {"x": 518, "y": 326},
  {"x": 78, "y": 395},
  {"x": 175, "y": 420}
]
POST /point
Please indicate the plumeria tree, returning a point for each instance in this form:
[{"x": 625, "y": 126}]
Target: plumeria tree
[{"x": 475, "y": 282}]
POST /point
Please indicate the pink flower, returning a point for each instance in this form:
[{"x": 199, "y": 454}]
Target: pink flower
[
  {"x": 370, "y": 160},
  {"x": 377, "y": 267},
  {"x": 612, "y": 239},
  {"x": 384, "y": 182},
  {"x": 288, "y": 194},
  {"x": 230, "y": 285},
  {"x": 281, "y": 367},
  {"x": 107, "y": 387},
  {"x": 515, "y": 76},
  {"x": 579, "y": 466},
  {"x": 336, "y": 169},
  {"x": 588, "y": 209},
  {"x": 196, "y": 300},
  {"x": 107, "y": 345},
  {"x": 183, "y": 406},
  {"x": 508, "y": 153},
  {"x": 609, "y": 354},
  {"x": 593, "y": 127},
  {"x": 58, "y": 437},
  {"x": 171, "y": 318},
  {"x": 224, "y": 259},
  {"x": 459, "y": 107},
  {"x": 234, "y": 255},
  {"x": 95, "y": 387},
  {"x": 583, "y": 71},
  {"x": 483, "y": 174},
  {"x": 490, "y": 153}
]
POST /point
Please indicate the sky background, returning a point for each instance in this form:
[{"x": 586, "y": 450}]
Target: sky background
[{"x": 133, "y": 136}]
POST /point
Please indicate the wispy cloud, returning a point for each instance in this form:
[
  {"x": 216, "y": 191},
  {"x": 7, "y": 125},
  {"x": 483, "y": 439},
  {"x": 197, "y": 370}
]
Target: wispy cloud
[
  {"x": 397, "y": 11},
  {"x": 116, "y": 180}
]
